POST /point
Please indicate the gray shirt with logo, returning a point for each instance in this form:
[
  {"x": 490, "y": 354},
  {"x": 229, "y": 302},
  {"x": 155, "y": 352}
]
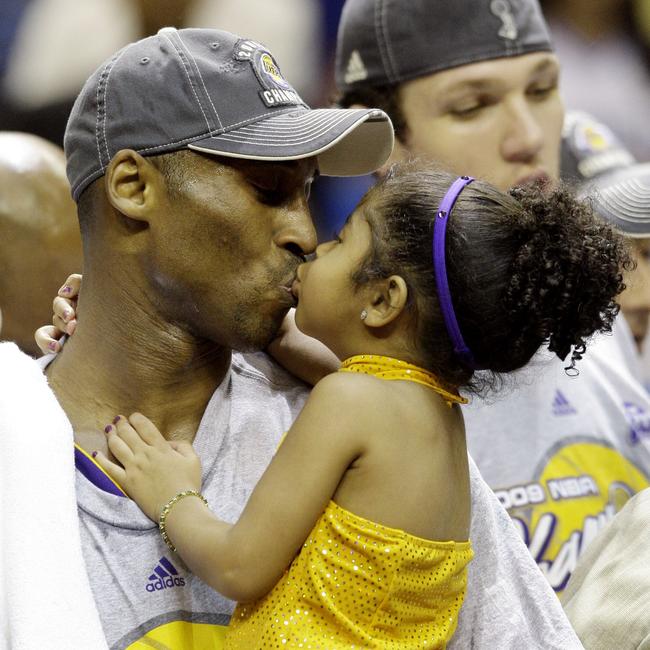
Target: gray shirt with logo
[
  {"x": 562, "y": 453},
  {"x": 138, "y": 584},
  {"x": 144, "y": 593}
]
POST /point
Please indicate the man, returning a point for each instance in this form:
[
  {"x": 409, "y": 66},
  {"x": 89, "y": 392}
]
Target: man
[
  {"x": 473, "y": 85},
  {"x": 190, "y": 158},
  {"x": 608, "y": 595},
  {"x": 617, "y": 185},
  {"x": 39, "y": 233},
  {"x": 188, "y": 256}
]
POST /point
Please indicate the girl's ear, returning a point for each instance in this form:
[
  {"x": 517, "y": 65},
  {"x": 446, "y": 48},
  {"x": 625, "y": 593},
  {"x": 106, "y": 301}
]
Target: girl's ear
[{"x": 387, "y": 301}]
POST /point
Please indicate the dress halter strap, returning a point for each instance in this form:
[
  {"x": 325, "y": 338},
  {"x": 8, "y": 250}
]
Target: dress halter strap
[{"x": 394, "y": 369}]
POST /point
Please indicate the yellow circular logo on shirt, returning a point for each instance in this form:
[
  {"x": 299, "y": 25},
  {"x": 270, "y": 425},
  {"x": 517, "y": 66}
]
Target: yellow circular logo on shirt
[{"x": 580, "y": 489}]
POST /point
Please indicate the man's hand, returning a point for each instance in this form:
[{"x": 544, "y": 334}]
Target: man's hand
[
  {"x": 153, "y": 469},
  {"x": 64, "y": 319}
]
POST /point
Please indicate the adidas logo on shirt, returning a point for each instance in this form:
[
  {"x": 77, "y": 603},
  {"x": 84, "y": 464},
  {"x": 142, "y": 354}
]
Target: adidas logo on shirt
[
  {"x": 639, "y": 421},
  {"x": 561, "y": 405},
  {"x": 356, "y": 70},
  {"x": 164, "y": 576}
]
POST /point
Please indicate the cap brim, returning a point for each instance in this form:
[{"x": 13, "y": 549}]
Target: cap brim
[
  {"x": 623, "y": 199},
  {"x": 347, "y": 142}
]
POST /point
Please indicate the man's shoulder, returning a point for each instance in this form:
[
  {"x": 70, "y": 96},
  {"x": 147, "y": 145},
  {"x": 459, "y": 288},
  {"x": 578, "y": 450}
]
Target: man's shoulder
[
  {"x": 623, "y": 535},
  {"x": 607, "y": 596}
]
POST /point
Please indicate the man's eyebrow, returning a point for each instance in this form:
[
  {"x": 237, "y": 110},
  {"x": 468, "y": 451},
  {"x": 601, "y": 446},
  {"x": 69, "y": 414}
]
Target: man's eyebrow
[
  {"x": 546, "y": 64},
  {"x": 472, "y": 85},
  {"x": 482, "y": 84}
]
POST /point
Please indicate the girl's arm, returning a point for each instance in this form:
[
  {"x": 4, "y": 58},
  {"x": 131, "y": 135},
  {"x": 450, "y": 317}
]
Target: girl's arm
[
  {"x": 244, "y": 560},
  {"x": 304, "y": 357}
]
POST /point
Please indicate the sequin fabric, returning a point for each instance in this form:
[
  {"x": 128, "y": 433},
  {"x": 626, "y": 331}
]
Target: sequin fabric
[
  {"x": 392, "y": 369},
  {"x": 358, "y": 584}
]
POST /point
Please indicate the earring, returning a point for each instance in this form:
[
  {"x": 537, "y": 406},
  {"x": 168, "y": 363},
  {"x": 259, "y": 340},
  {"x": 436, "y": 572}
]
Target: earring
[{"x": 364, "y": 314}]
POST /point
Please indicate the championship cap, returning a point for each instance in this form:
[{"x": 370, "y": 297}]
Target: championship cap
[
  {"x": 608, "y": 174},
  {"x": 390, "y": 41},
  {"x": 214, "y": 92}
]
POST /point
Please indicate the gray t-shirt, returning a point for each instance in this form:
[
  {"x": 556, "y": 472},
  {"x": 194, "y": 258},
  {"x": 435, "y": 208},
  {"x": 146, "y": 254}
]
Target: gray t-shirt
[
  {"x": 142, "y": 590},
  {"x": 147, "y": 598},
  {"x": 563, "y": 454}
]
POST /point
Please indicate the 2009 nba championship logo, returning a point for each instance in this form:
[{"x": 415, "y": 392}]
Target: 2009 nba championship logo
[
  {"x": 276, "y": 90},
  {"x": 270, "y": 68}
]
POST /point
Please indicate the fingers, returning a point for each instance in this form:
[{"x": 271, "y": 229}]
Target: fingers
[
  {"x": 65, "y": 314},
  {"x": 64, "y": 319},
  {"x": 71, "y": 286},
  {"x": 47, "y": 339},
  {"x": 60, "y": 325},
  {"x": 116, "y": 472},
  {"x": 147, "y": 430},
  {"x": 183, "y": 447},
  {"x": 129, "y": 434},
  {"x": 118, "y": 446}
]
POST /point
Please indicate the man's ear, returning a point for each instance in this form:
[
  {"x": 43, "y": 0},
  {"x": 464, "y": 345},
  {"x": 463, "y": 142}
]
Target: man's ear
[
  {"x": 131, "y": 183},
  {"x": 387, "y": 301}
]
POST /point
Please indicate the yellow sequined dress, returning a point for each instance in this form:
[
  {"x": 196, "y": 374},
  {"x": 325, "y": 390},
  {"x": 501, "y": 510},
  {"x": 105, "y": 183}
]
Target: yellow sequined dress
[{"x": 359, "y": 584}]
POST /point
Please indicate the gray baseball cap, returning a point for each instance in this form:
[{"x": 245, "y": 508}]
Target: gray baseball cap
[
  {"x": 390, "y": 41},
  {"x": 217, "y": 93},
  {"x": 606, "y": 173}
]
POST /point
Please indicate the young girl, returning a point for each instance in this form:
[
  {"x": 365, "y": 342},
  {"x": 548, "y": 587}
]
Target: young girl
[{"x": 357, "y": 534}]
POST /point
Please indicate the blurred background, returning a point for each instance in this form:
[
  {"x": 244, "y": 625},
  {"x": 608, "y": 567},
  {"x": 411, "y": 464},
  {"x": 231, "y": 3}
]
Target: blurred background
[{"x": 49, "y": 47}]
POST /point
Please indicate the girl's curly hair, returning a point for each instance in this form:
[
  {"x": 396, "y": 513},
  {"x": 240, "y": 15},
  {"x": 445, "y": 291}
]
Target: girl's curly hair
[{"x": 524, "y": 268}]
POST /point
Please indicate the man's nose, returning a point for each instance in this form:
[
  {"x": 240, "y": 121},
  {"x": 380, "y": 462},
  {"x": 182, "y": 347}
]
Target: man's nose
[
  {"x": 524, "y": 135},
  {"x": 295, "y": 229}
]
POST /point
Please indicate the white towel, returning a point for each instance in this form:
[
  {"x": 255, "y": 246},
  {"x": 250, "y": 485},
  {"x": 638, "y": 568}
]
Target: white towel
[{"x": 45, "y": 596}]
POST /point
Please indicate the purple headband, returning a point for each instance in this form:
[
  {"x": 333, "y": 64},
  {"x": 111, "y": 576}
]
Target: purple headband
[{"x": 440, "y": 269}]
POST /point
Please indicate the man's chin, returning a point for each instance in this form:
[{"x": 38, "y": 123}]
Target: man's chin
[{"x": 254, "y": 339}]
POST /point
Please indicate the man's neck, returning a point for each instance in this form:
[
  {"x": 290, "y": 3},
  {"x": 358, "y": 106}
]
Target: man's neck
[{"x": 131, "y": 361}]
